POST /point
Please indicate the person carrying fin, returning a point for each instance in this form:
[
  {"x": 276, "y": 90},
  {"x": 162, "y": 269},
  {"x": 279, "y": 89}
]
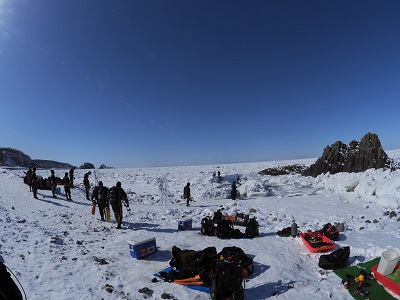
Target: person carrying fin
[
  {"x": 115, "y": 196},
  {"x": 100, "y": 195}
]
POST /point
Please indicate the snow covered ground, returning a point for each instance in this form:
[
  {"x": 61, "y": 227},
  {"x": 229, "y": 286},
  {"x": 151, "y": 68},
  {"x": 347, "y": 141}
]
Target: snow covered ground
[{"x": 55, "y": 247}]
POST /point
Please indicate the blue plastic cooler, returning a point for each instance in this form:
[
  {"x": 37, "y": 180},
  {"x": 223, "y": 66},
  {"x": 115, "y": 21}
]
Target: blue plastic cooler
[
  {"x": 185, "y": 225},
  {"x": 142, "y": 249}
]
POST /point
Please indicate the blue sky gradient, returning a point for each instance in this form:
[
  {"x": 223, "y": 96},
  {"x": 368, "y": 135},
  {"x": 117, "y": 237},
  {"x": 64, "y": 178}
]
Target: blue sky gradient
[{"x": 161, "y": 83}]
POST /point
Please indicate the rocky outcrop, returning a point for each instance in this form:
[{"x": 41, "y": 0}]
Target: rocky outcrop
[
  {"x": 87, "y": 165},
  {"x": 103, "y": 166},
  {"x": 283, "y": 170},
  {"x": 355, "y": 157}
]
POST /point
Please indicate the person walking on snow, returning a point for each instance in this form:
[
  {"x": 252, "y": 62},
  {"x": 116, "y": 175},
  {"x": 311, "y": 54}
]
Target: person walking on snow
[
  {"x": 99, "y": 195},
  {"x": 86, "y": 184},
  {"x": 67, "y": 186},
  {"x": 115, "y": 196},
  {"x": 186, "y": 193}
]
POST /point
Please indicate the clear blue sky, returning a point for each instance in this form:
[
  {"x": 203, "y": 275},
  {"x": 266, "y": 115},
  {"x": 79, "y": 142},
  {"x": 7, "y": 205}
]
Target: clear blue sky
[{"x": 161, "y": 83}]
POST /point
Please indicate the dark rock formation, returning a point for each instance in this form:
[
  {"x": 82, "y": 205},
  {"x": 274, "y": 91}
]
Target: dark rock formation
[
  {"x": 285, "y": 170},
  {"x": 87, "y": 165},
  {"x": 356, "y": 157},
  {"x": 103, "y": 166}
]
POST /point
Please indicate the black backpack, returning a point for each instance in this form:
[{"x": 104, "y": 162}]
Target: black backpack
[
  {"x": 224, "y": 229},
  {"x": 229, "y": 274},
  {"x": 217, "y": 217},
  {"x": 8, "y": 288},
  {"x": 188, "y": 263},
  {"x": 252, "y": 228},
  {"x": 181, "y": 258},
  {"x": 336, "y": 260},
  {"x": 330, "y": 232},
  {"x": 245, "y": 263},
  {"x": 102, "y": 194},
  {"x": 207, "y": 226},
  {"x": 241, "y": 219}
]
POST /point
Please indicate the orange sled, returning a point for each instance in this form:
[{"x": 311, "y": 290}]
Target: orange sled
[{"x": 317, "y": 242}]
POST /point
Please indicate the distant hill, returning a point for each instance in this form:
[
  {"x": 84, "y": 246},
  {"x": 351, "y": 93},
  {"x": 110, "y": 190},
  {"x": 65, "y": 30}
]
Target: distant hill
[
  {"x": 10, "y": 157},
  {"x": 14, "y": 158},
  {"x": 51, "y": 164}
]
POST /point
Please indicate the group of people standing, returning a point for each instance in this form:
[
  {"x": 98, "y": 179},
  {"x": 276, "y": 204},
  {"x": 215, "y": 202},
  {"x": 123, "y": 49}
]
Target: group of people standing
[
  {"x": 68, "y": 182},
  {"x": 101, "y": 195}
]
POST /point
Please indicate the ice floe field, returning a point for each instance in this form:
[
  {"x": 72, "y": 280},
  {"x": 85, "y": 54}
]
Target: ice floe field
[{"x": 58, "y": 250}]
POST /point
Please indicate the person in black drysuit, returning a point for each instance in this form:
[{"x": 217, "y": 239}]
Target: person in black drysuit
[
  {"x": 34, "y": 181},
  {"x": 28, "y": 177},
  {"x": 186, "y": 193},
  {"x": 100, "y": 195},
  {"x": 86, "y": 184},
  {"x": 67, "y": 186},
  {"x": 115, "y": 196},
  {"x": 233, "y": 192},
  {"x": 71, "y": 177},
  {"x": 53, "y": 182}
]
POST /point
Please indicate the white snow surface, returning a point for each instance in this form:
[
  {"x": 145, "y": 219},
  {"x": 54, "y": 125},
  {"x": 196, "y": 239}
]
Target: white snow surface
[{"x": 53, "y": 245}]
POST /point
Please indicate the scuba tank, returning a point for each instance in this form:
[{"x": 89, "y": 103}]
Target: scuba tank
[
  {"x": 340, "y": 227},
  {"x": 293, "y": 229}
]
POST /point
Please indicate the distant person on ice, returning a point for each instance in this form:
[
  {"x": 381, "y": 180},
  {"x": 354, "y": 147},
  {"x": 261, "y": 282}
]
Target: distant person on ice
[
  {"x": 34, "y": 181},
  {"x": 186, "y": 193},
  {"x": 233, "y": 192},
  {"x": 86, "y": 183},
  {"x": 115, "y": 196},
  {"x": 29, "y": 178},
  {"x": 53, "y": 182},
  {"x": 100, "y": 194},
  {"x": 71, "y": 176},
  {"x": 67, "y": 186}
]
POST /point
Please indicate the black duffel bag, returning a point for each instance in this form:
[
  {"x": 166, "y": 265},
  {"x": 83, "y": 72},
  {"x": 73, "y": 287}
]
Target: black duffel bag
[{"x": 336, "y": 260}]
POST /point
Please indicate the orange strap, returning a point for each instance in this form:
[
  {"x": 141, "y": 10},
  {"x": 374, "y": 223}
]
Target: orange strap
[{"x": 196, "y": 280}]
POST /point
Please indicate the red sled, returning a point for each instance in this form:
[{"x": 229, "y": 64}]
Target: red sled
[
  {"x": 317, "y": 242},
  {"x": 386, "y": 281}
]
